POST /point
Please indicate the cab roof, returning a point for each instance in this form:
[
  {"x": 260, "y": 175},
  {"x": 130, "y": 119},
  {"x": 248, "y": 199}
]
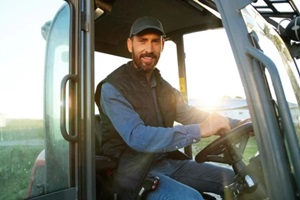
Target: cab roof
[{"x": 177, "y": 16}]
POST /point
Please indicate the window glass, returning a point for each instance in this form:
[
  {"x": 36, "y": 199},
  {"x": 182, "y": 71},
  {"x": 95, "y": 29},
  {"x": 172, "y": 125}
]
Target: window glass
[
  {"x": 56, "y": 68},
  {"x": 213, "y": 80},
  {"x": 22, "y": 124},
  {"x": 273, "y": 46},
  {"x": 168, "y": 64}
]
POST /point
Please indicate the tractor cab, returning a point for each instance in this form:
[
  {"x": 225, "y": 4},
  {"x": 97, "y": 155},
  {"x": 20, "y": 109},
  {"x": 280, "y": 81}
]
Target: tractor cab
[{"x": 246, "y": 51}]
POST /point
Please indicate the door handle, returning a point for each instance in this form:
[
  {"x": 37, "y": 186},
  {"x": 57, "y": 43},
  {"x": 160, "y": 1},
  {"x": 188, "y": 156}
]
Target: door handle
[{"x": 63, "y": 129}]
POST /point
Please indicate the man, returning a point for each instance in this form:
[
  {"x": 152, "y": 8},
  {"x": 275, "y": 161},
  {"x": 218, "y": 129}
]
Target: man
[{"x": 138, "y": 109}]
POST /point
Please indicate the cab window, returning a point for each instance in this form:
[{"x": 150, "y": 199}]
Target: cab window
[{"x": 28, "y": 117}]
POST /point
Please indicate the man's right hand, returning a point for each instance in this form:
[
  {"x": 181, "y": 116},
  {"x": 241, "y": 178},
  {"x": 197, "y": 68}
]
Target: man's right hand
[{"x": 214, "y": 124}]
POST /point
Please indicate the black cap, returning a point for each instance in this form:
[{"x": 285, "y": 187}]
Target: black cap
[{"x": 144, "y": 23}]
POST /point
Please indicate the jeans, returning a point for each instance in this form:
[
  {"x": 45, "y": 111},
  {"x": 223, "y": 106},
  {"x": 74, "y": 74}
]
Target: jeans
[{"x": 186, "y": 179}]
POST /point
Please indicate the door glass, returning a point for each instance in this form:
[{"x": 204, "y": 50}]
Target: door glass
[
  {"x": 29, "y": 108},
  {"x": 56, "y": 68},
  {"x": 273, "y": 46}
]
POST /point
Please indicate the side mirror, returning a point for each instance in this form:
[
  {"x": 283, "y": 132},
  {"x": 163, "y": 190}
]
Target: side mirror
[{"x": 292, "y": 31}]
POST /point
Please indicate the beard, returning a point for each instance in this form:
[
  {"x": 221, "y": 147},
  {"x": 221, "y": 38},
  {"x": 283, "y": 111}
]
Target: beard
[{"x": 145, "y": 62}]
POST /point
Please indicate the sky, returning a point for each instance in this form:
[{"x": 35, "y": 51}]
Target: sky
[
  {"x": 22, "y": 55},
  {"x": 210, "y": 65}
]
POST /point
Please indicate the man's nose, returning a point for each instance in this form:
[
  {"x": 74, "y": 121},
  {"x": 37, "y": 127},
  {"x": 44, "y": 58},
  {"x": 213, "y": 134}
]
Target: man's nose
[{"x": 149, "y": 47}]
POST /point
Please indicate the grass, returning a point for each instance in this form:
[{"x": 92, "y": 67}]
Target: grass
[
  {"x": 15, "y": 170},
  {"x": 17, "y": 160},
  {"x": 250, "y": 151},
  {"x": 22, "y": 129}
]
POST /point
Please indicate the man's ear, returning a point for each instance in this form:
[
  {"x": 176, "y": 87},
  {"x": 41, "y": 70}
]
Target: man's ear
[
  {"x": 129, "y": 45},
  {"x": 162, "y": 45}
]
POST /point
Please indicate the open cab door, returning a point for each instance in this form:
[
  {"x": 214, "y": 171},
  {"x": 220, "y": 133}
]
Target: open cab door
[{"x": 270, "y": 77}]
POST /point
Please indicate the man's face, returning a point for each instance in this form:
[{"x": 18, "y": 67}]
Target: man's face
[{"x": 145, "y": 48}]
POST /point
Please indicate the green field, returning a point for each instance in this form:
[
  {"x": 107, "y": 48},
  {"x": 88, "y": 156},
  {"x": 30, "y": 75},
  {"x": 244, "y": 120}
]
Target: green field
[
  {"x": 16, "y": 158},
  {"x": 15, "y": 170},
  {"x": 250, "y": 151},
  {"x": 22, "y": 129}
]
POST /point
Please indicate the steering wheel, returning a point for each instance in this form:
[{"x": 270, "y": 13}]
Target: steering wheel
[{"x": 228, "y": 148}]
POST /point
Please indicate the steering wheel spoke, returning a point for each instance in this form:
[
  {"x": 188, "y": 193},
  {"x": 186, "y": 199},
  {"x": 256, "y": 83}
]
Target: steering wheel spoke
[{"x": 228, "y": 148}]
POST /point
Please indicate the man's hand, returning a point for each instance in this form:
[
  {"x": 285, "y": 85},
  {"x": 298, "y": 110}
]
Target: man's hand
[
  {"x": 243, "y": 121},
  {"x": 214, "y": 124}
]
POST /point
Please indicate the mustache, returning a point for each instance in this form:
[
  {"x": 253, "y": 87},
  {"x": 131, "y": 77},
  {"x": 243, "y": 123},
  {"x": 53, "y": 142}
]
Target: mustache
[{"x": 152, "y": 55}]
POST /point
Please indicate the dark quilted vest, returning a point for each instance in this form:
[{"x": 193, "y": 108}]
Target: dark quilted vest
[{"x": 132, "y": 84}]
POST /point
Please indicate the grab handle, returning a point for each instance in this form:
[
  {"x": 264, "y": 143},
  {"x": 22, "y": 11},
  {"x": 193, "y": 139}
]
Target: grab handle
[{"x": 63, "y": 129}]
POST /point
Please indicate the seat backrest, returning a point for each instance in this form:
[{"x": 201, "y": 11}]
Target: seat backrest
[
  {"x": 103, "y": 163},
  {"x": 97, "y": 134}
]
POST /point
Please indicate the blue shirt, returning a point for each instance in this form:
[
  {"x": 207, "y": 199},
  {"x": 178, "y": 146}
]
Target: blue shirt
[{"x": 150, "y": 139}]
